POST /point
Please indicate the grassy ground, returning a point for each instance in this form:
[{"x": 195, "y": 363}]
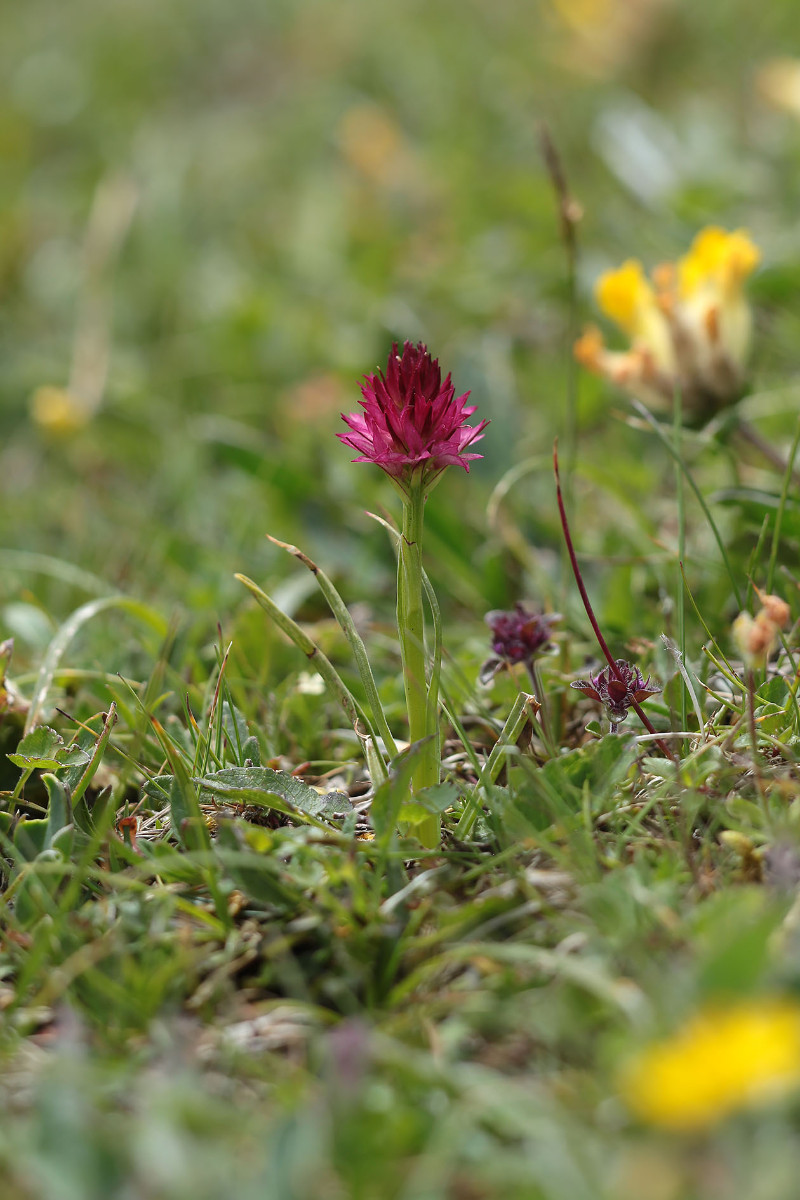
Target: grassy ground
[{"x": 213, "y": 220}]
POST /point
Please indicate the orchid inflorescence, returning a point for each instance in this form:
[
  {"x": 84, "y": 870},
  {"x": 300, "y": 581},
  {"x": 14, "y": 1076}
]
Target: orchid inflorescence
[
  {"x": 412, "y": 422},
  {"x": 413, "y": 426},
  {"x": 518, "y": 636},
  {"x": 618, "y": 690}
]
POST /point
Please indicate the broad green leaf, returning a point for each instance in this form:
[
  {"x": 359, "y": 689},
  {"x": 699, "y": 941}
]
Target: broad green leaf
[
  {"x": 38, "y": 748},
  {"x": 45, "y": 749},
  {"x": 252, "y": 751},
  {"x": 262, "y": 785},
  {"x": 430, "y": 801},
  {"x": 774, "y": 691}
]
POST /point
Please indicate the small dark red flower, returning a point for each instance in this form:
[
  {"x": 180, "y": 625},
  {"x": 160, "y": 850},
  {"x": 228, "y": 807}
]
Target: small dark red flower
[
  {"x": 517, "y": 636},
  {"x": 411, "y": 419},
  {"x": 618, "y": 692}
]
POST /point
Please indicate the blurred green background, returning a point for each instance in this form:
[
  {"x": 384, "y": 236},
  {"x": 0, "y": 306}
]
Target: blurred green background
[{"x": 214, "y": 218}]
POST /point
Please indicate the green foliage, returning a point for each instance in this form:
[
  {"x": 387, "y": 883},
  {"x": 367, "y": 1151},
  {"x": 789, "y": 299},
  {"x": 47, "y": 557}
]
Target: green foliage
[
  {"x": 227, "y": 965},
  {"x": 44, "y": 749}
]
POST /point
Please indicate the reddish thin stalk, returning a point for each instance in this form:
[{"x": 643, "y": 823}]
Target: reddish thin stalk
[{"x": 601, "y": 641}]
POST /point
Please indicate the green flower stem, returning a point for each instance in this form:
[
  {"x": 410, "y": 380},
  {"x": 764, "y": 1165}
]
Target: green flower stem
[{"x": 411, "y": 632}]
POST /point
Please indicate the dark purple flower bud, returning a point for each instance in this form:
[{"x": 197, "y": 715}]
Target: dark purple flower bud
[
  {"x": 411, "y": 419},
  {"x": 618, "y": 692},
  {"x": 517, "y": 637}
]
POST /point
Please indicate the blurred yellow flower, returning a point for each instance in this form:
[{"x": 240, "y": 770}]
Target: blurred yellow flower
[
  {"x": 58, "y": 411},
  {"x": 723, "y": 1060},
  {"x": 584, "y": 13},
  {"x": 628, "y": 299},
  {"x": 717, "y": 260},
  {"x": 600, "y": 36},
  {"x": 689, "y": 325},
  {"x": 373, "y": 143},
  {"x": 778, "y": 81}
]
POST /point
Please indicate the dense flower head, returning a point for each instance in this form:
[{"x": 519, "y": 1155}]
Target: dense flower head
[
  {"x": 723, "y": 1060},
  {"x": 412, "y": 420},
  {"x": 518, "y": 636},
  {"x": 689, "y": 325},
  {"x": 618, "y": 690}
]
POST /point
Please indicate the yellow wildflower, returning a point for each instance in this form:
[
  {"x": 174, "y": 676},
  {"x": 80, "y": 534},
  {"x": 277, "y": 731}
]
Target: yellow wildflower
[
  {"x": 581, "y": 14},
  {"x": 689, "y": 325},
  {"x": 724, "y": 1060},
  {"x": 374, "y": 144},
  {"x": 628, "y": 299},
  {"x": 58, "y": 411},
  {"x": 596, "y": 37},
  {"x": 717, "y": 259},
  {"x": 778, "y": 81}
]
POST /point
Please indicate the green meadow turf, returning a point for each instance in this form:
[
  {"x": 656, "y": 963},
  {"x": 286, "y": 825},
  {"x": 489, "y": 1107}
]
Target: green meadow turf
[{"x": 215, "y": 983}]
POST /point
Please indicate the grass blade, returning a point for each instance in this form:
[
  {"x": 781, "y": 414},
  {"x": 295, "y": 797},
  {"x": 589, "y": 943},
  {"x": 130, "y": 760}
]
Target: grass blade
[
  {"x": 67, "y": 632},
  {"x": 97, "y": 755},
  {"x": 787, "y": 483},
  {"x": 659, "y": 432},
  {"x": 521, "y": 712},
  {"x": 321, "y": 662},
  {"x": 347, "y": 626}
]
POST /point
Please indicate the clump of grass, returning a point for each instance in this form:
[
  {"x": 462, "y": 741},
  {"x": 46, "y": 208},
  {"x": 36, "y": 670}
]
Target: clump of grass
[{"x": 250, "y": 943}]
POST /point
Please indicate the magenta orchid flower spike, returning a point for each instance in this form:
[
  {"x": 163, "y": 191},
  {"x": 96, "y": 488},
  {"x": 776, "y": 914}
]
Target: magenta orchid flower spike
[
  {"x": 413, "y": 426},
  {"x": 411, "y": 420}
]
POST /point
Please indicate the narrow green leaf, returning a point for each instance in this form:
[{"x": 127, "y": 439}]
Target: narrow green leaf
[
  {"x": 347, "y": 626},
  {"x": 186, "y": 816},
  {"x": 392, "y": 794},
  {"x": 660, "y": 433},
  {"x": 85, "y": 779},
  {"x": 776, "y": 533},
  {"x": 59, "y": 814},
  {"x": 322, "y": 664},
  {"x": 67, "y": 632}
]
